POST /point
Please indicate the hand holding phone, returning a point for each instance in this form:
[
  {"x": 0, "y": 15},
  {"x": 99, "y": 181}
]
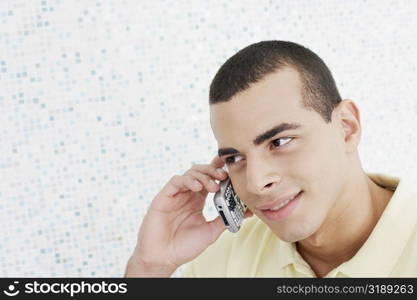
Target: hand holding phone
[{"x": 174, "y": 230}]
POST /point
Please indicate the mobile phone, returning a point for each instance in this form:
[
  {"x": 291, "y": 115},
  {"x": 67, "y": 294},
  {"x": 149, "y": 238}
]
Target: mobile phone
[{"x": 229, "y": 206}]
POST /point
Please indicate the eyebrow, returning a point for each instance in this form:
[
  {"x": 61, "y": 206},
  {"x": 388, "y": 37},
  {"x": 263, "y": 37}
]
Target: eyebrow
[{"x": 262, "y": 137}]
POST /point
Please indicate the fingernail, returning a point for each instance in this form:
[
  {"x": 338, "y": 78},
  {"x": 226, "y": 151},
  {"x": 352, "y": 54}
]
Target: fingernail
[{"x": 220, "y": 171}]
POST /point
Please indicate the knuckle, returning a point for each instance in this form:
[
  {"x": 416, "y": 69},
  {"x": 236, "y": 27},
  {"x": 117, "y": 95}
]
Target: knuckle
[
  {"x": 193, "y": 165},
  {"x": 175, "y": 177},
  {"x": 208, "y": 169},
  {"x": 189, "y": 171},
  {"x": 188, "y": 176}
]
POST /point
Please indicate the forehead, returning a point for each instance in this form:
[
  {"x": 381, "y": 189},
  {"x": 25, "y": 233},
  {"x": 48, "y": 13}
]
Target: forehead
[{"x": 276, "y": 98}]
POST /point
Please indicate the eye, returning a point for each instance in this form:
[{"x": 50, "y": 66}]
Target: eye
[
  {"x": 280, "y": 142},
  {"x": 230, "y": 160}
]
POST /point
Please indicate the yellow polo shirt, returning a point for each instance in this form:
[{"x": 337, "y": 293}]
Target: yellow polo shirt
[{"x": 255, "y": 251}]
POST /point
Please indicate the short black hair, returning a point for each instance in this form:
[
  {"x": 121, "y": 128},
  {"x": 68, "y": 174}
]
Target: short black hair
[{"x": 255, "y": 61}]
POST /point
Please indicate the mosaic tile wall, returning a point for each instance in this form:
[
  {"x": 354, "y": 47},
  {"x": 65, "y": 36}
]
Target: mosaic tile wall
[{"x": 101, "y": 102}]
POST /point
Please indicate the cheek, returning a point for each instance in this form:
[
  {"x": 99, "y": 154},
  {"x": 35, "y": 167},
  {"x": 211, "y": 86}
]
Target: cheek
[
  {"x": 247, "y": 200},
  {"x": 319, "y": 167}
]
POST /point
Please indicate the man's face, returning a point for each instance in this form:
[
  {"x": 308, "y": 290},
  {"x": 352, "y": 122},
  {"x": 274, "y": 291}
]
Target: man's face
[{"x": 309, "y": 157}]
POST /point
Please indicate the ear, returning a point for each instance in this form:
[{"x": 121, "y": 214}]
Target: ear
[{"x": 348, "y": 117}]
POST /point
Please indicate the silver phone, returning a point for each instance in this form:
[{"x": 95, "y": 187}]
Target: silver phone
[{"x": 229, "y": 206}]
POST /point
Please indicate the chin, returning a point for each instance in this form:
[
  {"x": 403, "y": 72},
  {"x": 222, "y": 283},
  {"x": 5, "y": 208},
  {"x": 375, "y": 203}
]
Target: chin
[{"x": 295, "y": 232}]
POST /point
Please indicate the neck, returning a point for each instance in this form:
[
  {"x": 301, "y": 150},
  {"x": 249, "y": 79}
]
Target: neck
[{"x": 348, "y": 225}]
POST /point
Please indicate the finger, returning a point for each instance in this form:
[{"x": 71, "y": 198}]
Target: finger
[
  {"x": 179, "y": 183},
  {"x": 211, "y": 170},
  {"x": 217, "y": 162},
  {"x": 209, "y": 184}
]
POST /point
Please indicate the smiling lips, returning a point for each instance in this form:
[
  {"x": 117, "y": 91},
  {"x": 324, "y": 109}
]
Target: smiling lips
[
  {"x": 281, "y": 208},
  {"x": 279, "y": 203}
]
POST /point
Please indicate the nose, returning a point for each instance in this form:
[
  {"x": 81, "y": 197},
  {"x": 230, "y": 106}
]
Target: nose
[{"x": 261, "y": 177}]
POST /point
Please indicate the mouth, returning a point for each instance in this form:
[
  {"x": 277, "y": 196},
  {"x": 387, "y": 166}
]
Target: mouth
[
  {"x": 280, "y": 202},
  {"x": 281, "y": 210}
]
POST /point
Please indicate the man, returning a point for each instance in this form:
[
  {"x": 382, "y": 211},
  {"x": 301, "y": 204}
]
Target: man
[{"x": 290, "y": 144}]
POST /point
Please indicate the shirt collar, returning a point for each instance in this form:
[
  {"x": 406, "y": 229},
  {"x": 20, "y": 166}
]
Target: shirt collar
[{"x": 288, "y": 255}]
